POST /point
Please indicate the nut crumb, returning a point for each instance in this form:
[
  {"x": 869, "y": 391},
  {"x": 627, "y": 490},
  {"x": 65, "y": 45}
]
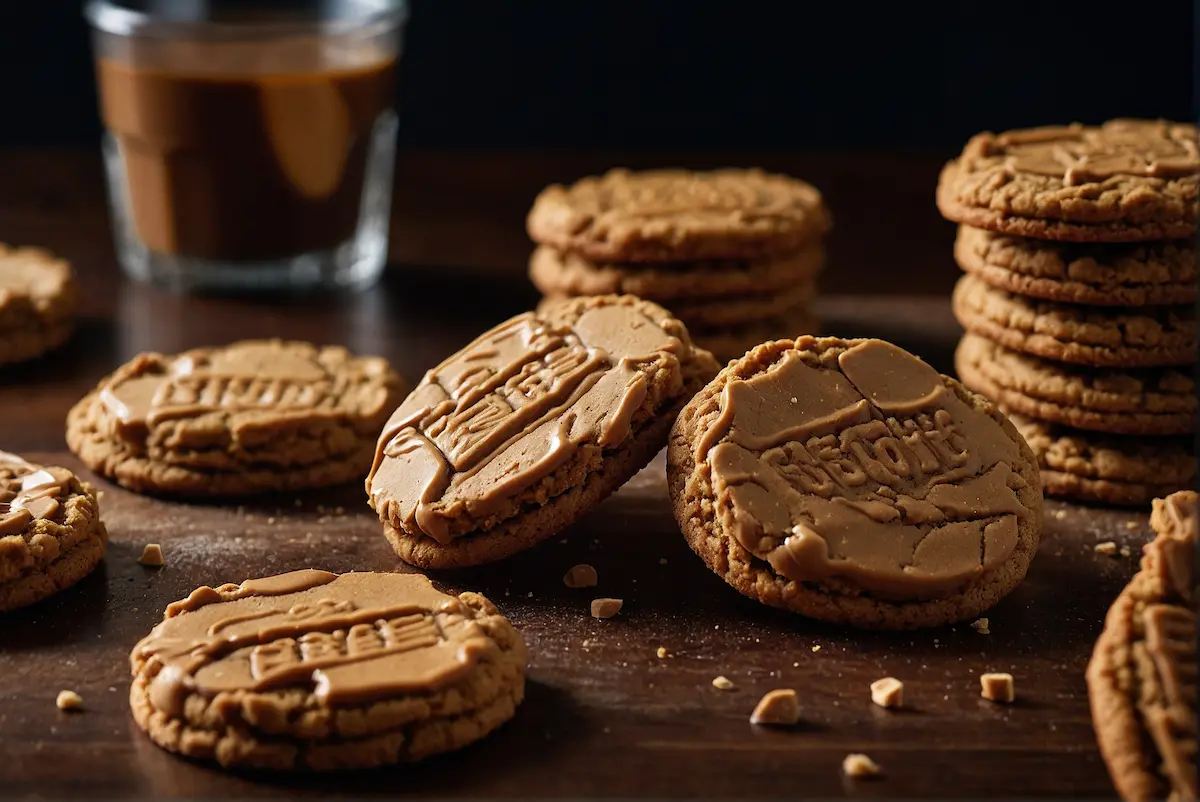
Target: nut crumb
[
  {"x": 1060, "y": 514},
  {"x": 1132, "y": 524},
  {"x": 586, "y": 643},
  {"x": 887, "y": 692},
  {"x": 722, "y": 683},
  {"x": 662, "y": 652},
  {"x": 859, "y": 765},
  {"x": 581, "y": 576},
  {"x": 69, "y": 700},
  {"x": 270, "y": 520},
  {"x": 151, "y": 555},
  {"x": 1126, "y": 551},
  {"x": 1108, "y": 548},
  {"x": 795, "y": 400},
  {"x": 817, "y": 648},
  {"x": 997, "y": 687},
  {"x": 980, "y": 625},
  {"x": 780, "y": 707},
  {"x": 606, "y": 608}
]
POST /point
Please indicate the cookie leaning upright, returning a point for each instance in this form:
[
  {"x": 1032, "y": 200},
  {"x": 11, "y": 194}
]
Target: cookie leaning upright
[
  {"x": 251, "y": 417},
  {"x": 531, "y": 425},
  {"x": 318, "y": 671},
  {"x": 848, "y": 481},
  {"x": 38, "y": 297},
  {"x": 1142, "y": 675}
]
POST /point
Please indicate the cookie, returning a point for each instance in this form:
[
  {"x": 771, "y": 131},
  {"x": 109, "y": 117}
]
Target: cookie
[
  {"x": 38, "y": 297},
  {"x": 555, "y": 273},
  {"x": 1121, "y": 401},
  {"x": 848, "y": 481},
  {"x": 734, "y": 341},
  {"x": 51, "y": 535},
  {"x": 678, "y": 215},
  {"x": 1084, "y": 335},
  {"x": 1142, "y": 676},
  {"x": 1124, "y": 181},
  {"x": 530, "y": 426},
  {"x": 252, "y": 417},
  {"x": 317, "y": 671},
  {"x": 1137, "y": 274},
  {"x": 1108, "y": 469}
]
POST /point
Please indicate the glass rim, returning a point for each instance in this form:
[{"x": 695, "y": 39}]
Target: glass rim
[{"x": 110, "y": 17}]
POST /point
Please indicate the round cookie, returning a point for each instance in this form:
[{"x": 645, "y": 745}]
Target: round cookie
[
  {"x": 848, "y": 481},
  {"x": 1124, "y": 181},
  {"x": 252, "y": 417},
  {"x": 1121, "y": 401},
  {"x": 530, "y": 426},
  {"x": 733, "y": 342},
  {"x": 1142, "y": 676},
  {"x": 1108, "y": 469},
  {"x": 1139, "y": 274},
  {"x": 51, "y": 535},
  {"x": 678, "y": 215},
  {"x": 318, "y": 671},
  {"x": 38, "y": 297},
  {"x": 1084, "y": 335}
]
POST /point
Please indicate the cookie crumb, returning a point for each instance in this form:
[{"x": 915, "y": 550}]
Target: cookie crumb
[
  {"x": 997, "y": 687},
  {"x": 270, "y": 520},
  {"x": 980, "y": 625},
  {"x": 69, "y": 700},
  {"x": 887, "y": 692},
  {"x": 817, "y": 648},
  {"x": 780, "y": 707},
  {"x": 1060, "y": 514},
  {"x": 1132, "y": 524},
  {"x": 859, "y": 765},
  {"x": 662, "y": 652},
  {"x": 1125, "y": 551},
  {"x": 662, "y": 560},
  {"x": 722, "y": 683},
  {"x": 151, "y": 555},
  {"x": 606, "y": 608},
  {"x": 1108, "y": 548},
  {"x": 581, "y": 576}
]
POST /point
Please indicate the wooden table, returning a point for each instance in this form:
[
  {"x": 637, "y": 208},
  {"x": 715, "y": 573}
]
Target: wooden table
[{"x": 604, "y": 716}]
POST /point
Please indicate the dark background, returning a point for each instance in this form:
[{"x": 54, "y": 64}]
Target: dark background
[{"x": 704, "y": 74}]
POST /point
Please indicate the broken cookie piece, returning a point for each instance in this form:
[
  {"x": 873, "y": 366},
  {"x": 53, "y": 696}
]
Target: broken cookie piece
[
  {"x": 780, "y": 707},
  {"x": 606, "y": 608},
  {"x": 581, "y": 576}
]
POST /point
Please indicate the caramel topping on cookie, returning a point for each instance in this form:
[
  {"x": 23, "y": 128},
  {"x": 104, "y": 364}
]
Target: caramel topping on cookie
[{"x": 28, "y": 492}]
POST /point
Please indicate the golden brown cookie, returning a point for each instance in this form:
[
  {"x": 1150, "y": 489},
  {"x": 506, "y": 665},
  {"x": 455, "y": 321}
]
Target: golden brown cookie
[
  {"x": 38, "y": 298},
  {"x": 1137, "y": 274},
  {"x": 529, "y": 427},
  {"x": 1124, "y": 181},
  {"x": 51, "y": 535},
  {"x": 1118, "y": 400},
  {"x": 847, "y": 481},
  {"x": 317, "y": 671},
  {"x": 252, "y": 417},
  {"x": 1100, "y": 336},
  {"x": 733, "y": 342},
  {"x": 678, "y": 215},
  {"x": 1142, "y": 675}
]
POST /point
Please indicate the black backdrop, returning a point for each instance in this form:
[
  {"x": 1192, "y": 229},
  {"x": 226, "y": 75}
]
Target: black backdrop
[{"x": 717, "y": 74}]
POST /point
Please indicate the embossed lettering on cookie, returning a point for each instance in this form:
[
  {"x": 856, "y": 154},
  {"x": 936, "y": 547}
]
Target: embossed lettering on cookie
[
  {"x": 848, "y": 481},
  {"x": 528, "y": 427}
]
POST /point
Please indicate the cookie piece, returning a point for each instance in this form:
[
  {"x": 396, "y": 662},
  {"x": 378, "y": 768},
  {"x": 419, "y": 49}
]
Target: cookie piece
[
  {"x": 1084, "y": 335},
  {"x": 848, "y": 481},
  {"x": 1142, "y": 676},
  {"x": 1121, "y": 401},
  {"x": 1124, "y": 181},
  {"x": 317, "y": 671},
  {"x": 252, "y": 417},
  {"x": 1138, "y": 274},
  {"x": 734, "y": 341},
  {"x": 38, "y": 297},
  {"x": 529, "y": 427},
  {"x": 1108, "y": 469},
  {"x": 51, "y": 535},
  {"x": 678, "y": 215}
]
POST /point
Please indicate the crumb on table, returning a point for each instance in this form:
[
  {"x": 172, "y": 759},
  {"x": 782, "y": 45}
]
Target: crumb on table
[
  {"x": 661, "y": 652},
  {"x": 780, "y": 707},
  {"x": 887, "y": 692},
  {"x": 859, "y": 765},
  {"x": 980, "y": 625},
  {"x": 581, "y": 576},
  {"x": 151, "y": 555},
  {"x": 997, "y": 687},
  {"x": 606, "y": 608},
  {"x": 722, "y": 683},
  {"x": 1108, "y": 548},
  {"x": 69, "y": 700}
]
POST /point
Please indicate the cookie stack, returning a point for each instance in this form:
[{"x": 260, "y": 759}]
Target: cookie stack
[
  {"x": 734, "y": 254},
  {"x": 1078, "y": 298}
]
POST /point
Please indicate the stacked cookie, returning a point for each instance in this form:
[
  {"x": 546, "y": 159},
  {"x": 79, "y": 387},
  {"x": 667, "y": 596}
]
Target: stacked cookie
[
  {"x": 734, "y": 254},
  {"x": 38, "y": 298},
  {"x": 1078, "y": 298}
]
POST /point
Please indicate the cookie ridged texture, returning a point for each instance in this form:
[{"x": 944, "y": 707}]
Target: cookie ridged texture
[
  {"x": 732, "y": 342},
  {"x": 38, "y": 299},
  {"x": 677, "y": 215},
  {"x": 836, "y": 599}
]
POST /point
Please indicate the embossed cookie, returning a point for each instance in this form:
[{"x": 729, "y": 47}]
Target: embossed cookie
[
  {"x": 1084, "y": 335},
  {"x": 51, "y": 535},
  {"x": 1142, "y": 676},
  {"x": 252, "y": 417},
  {"x": 677, "y": 215},
  {"x": 1124, "y": 181},
  {"x": 529, "y": 427},
  {"x": 318, "y": 671},
  {"x": 1108, "y": 469},
  {"x": 847, "y": 481},
  {"x": 1122, "y": 401},
  {"x": 1138, "y": 274},
  {"x": 38, "y": 297}
]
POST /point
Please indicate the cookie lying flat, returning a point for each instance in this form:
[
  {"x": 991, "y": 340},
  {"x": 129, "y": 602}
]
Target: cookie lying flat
[
  {"x": 733, "y": 342},
  {"x": 1142, "y": 675},
  {"x": 315, "y": 671},
  {"x": 677, "y": 215},
  {"x": 529, "y": 427},
  {"x": 51, "y": 535},
  {"x": 1138, "y": 274},
  {"x": 38, "y": 297},
  {"x": 1108, "y": 469},
  {"x": 1124, "y": 181},
  {"x": 1083, "y": 335},
  {"x": 846, "y": 480},
  {"x": 252, "y": 417},
  {"x": 1121, "y": 401}
]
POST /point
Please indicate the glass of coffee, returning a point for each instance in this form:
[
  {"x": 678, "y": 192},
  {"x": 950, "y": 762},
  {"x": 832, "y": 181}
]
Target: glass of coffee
[{"x": 249, "y": 144}]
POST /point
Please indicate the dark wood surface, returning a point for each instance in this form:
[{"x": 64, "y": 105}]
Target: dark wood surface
[{"x": 604, "y": 716}]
